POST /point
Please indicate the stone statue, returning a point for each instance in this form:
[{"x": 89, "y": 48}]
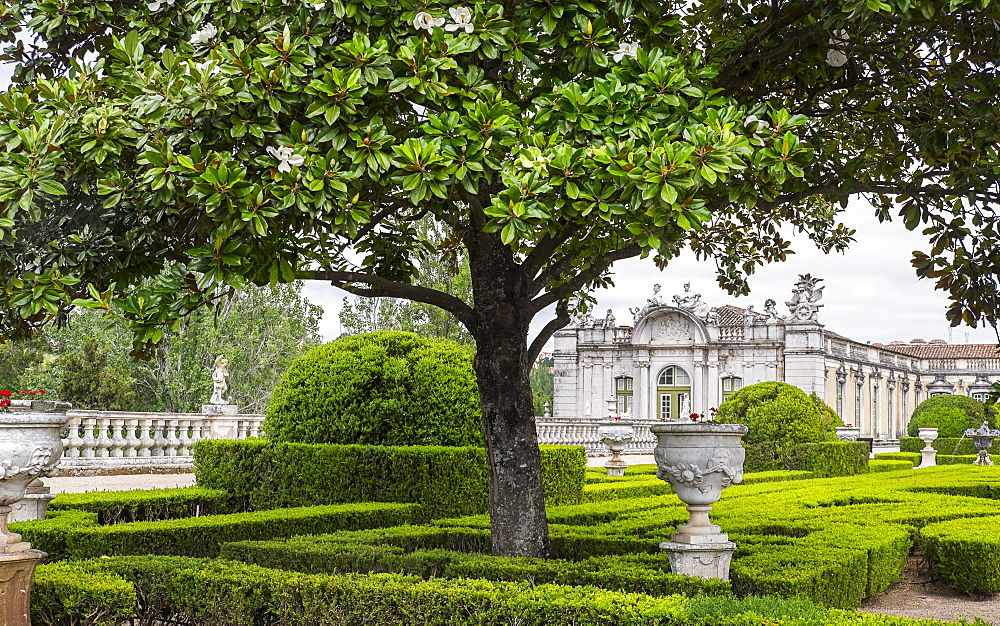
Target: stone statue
[
  {"x": 771, "y": 310},
  {"x": 805, "y": 295},
  {"x": 219, "y": 384},
  {"x": 655, "y": 300},
  {"x": 692, "y": 302},
  {"x": 609, "y": 320}
]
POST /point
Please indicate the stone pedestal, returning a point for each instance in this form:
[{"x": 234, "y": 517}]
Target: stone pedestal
[
  {"x": 16, "y": 572},
  {"x": 616, "y": 435},
  {"x": 928, "y": 455},
  {"x": 34, "y": 505},
  {"x": 704, "y": 560},
  {"x": 219, "y": 409}
]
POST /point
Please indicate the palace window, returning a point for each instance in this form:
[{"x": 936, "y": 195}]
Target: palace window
[
  {"x": 840, "y": 399},
  {"x": 623, "y": 393},
  {"x": 673, "y": 389},
  {"x": 730, "y": 385},
  {"x": 981, "y": 396}
]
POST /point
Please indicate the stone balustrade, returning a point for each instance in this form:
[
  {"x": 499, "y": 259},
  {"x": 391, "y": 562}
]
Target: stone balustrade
[
  {"x": 555, "y": 431},
  {"x": 125, "y": 439}
]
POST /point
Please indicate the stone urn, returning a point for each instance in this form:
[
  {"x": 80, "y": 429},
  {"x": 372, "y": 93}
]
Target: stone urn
[
  {"x": 848, "y": 433},
  {"x": 616, "y": 435},
  {"x": 699, "y": 459},
  {"x": 30, "y": 448},
  {"x": 928, "y": 455},
  {"x": 983, "y": 438}
]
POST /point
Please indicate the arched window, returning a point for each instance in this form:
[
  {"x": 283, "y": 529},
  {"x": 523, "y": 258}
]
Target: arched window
[
  {"x": 673, "y": 390},
  {"x": 623, "y": 393}
]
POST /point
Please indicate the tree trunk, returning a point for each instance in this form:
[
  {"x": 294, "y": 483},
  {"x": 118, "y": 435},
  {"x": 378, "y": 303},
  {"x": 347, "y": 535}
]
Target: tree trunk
[{"x": 517, "y": 505}]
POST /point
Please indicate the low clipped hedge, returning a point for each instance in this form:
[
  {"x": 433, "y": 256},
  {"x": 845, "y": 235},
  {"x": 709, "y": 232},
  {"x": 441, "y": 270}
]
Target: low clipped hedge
[
  {"x": 634, "y": 573},
  {"x": 227, "y": 593},
  {"x": 829, "y": 458},
  {"x": 75, "y": 534},
  {"x": 945, "y": 445},
  {"x": 145, "y": 505},
  {"x": 965, "y": 553},
  {"x": 67, "y": 593},
  {"x": 258, "y": 474},
  {"x": 889, "y": 465}
]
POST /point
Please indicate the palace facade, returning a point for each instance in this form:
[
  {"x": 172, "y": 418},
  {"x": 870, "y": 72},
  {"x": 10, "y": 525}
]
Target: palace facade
[{"x": 687, "y": 357}]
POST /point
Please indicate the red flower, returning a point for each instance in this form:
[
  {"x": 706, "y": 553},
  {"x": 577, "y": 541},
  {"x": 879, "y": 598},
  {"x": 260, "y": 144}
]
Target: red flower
[
  {"x": 694, "y": 416},
  {"x": 23, "y": 391},
  {"x": 41, "y": 391},
  {"x": 5, "y": 393},
  {"x": 618, "y": 417},
  {"x": 31, "y": 393}
]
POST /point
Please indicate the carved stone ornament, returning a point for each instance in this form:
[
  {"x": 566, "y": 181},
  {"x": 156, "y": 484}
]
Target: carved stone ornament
[
  {"x": 673, "y": 327},
  {"x": 690, "y": 475},
  {"x": 805, "y": 295}
]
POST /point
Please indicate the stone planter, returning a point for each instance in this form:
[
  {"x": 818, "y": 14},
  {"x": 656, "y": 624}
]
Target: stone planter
[
  {"x": 699, "y": 460},
  {"x": 983, "y": 438},
  {"x": 928, "y": 456},
  {"x": 616, "y": 435},
  {"x": 848, "y": 433},
  {"x": 30, "y": 447}
]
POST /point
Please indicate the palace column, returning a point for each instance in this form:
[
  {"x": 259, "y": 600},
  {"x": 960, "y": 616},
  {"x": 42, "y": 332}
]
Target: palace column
[{"x": 640, "y": 402}]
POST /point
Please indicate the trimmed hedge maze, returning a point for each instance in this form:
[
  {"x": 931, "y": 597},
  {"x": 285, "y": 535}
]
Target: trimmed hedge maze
[{"x": 809, "y": 550}]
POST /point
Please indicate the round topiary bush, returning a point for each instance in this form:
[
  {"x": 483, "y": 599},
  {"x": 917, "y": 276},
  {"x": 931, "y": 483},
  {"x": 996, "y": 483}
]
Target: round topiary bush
[
  {"x": 950, "y": 414},
  {"x": 778, "y": 416},
  {"x": 383, "y": 388}
]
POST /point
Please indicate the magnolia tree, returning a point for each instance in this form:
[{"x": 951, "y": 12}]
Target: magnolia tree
[{"x": 216, "y": 143}]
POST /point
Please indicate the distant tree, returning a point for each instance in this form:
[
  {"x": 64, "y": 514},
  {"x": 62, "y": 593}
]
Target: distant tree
[
  {"x": 260, "y": 330},
  {"x": 542, "y": 384},
  {"x": 440, "y": 268},
  {"x": 91, "y": 380},
  {"x": 20, "y": 362}
]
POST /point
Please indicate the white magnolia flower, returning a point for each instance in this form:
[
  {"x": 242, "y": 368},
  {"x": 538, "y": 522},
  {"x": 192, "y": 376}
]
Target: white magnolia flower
[
  {"x": 756, "y": 125},
  {"x": 156, "y": 5},
  {"x": 425, "y": 21},
  {"x": 208, "y": 67},
  {"x": 463, "y": 20},
  {"x": 205, "y": 35},
  {"x": 319, "y": 6},
  {"x": 286, "y": 157},
  {"x": 835, "y": 56},
  {"x": 625, "y": 50}
]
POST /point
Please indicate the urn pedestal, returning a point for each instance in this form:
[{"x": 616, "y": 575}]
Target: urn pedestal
[
  {"x": 848, "y": 433},
  {"x": 983, "y": 438},
  {"x": 616, "y": 435},
  {"x": 928, "y": 455},
  {"x": 699, "y": 460},
  {"x": 30, "y": 448}
]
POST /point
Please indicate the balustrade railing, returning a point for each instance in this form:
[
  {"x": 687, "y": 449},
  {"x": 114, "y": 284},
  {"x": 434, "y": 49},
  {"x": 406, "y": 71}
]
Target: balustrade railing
[
  {"x": 138, "y": 439},
  {"x": 571, "y": 432}
]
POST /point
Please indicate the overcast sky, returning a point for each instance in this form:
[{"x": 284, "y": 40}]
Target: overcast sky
[
  {"x": 871, "y": 291},
  {"x": 871, "y": 294}
]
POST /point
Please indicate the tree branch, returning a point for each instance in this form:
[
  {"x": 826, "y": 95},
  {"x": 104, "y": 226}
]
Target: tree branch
[
  {"x": 545, "y": 248},
  {"x": 580, "y": 280},
  {"x": 561, "y": 319},
  {"x": 379, "y": 287}
]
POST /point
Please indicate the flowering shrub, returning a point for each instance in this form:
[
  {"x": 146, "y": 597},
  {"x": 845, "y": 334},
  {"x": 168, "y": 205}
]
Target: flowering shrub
[{"x": 5, "y": 397}]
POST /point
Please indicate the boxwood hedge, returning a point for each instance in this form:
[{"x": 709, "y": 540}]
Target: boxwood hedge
[{"x": 259, "y": 474}]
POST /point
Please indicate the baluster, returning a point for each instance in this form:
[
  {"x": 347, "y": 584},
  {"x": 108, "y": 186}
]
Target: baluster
[
  {"x": 255, "y": 425},
  {"x": 132, "y": 439},
  {"x": 116, "y": 438},
  {"x": 183, "y": 437},
  {"x": 73, "y": 440},
  {"x": 89, "y": 438},
  {"x": 145, "y": 435},
  {"x": 156, "y": 434},
  {"x": 101, "y": 426}
]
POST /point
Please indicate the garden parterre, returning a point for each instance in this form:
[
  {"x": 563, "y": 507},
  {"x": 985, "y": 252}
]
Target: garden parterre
[{"x": 829, "y": 543}]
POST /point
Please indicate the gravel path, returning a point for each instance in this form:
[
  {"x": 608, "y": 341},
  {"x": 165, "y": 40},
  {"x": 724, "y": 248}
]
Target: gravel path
[{"x": 81, "y": 484}]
